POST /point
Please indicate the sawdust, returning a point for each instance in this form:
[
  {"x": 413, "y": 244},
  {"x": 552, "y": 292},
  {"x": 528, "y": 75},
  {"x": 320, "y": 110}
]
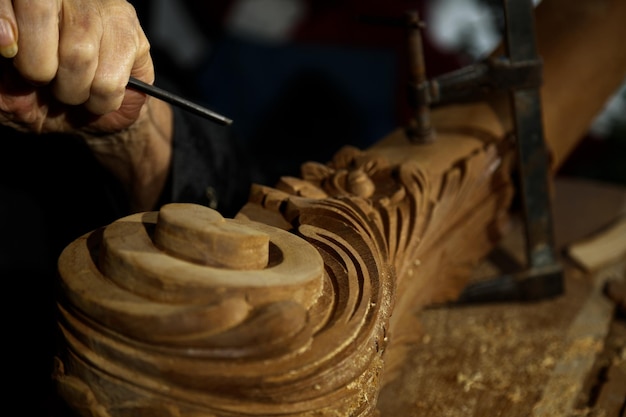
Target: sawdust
[{"x": 488, "y": 360}]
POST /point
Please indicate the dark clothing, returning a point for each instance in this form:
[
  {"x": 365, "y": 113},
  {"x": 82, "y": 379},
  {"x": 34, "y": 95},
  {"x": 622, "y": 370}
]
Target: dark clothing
[{"x": 53, "y": 191}]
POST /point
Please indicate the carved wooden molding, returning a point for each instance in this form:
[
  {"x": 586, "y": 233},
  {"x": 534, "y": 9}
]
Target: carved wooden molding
[
  {"x": 301, "y": 306},
  {"x": 186, "y": 311}
]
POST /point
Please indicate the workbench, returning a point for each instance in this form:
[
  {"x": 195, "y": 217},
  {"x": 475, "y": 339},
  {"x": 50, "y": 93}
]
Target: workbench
[{"x": 560, "y": 357}]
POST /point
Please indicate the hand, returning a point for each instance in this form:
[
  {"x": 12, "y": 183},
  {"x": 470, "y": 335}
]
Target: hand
[
  {"x": 64, "y": 67},
  {"x": 66, "y": 64}
]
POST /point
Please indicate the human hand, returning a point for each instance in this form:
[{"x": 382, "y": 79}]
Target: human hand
[{"x": 65, "y": 65}]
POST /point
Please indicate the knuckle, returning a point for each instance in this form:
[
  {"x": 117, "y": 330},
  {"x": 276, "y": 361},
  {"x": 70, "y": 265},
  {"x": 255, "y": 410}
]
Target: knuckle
[
  {"x": 106, "y": 95},
  {"x": 108, "y": 87},
  {"x": 78, "y": 55}
]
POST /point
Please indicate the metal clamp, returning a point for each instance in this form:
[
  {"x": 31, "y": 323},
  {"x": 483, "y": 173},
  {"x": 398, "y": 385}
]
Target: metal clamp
[
  {"x": 543, "y": 277},
  {"x": 519, "y": 73},
  {"x": 474, "y": 82}
]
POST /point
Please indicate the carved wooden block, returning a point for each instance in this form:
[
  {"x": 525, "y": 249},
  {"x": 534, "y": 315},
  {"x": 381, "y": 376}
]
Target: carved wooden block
[
  {"x": 185, "y": 311},
  {"x": 301, "y": 306}
]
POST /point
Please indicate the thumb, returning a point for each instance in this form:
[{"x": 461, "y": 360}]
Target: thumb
[{"x": 8, "y": 30}]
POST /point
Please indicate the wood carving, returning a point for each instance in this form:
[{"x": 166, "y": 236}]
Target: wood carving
[
  {"x": 196, "y": 313},
  {"x": 301, "y": 305}
]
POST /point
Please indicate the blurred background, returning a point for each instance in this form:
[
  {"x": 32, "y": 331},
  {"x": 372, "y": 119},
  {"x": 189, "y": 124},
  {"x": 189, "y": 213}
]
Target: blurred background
[{"x": 301, "y": 78}]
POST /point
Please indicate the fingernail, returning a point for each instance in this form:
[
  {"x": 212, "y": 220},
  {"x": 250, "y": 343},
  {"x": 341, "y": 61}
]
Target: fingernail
[{"x": 8, "y": 43}]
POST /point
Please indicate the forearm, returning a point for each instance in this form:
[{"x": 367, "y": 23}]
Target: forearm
[
  {"x": 139, "y": 156},
  {"x": 65, "y": 68}
]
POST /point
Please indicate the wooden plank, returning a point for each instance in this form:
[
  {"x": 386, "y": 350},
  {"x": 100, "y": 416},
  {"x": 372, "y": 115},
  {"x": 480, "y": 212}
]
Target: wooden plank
[
  {"x": 611, "y": 398},
  {"x": 496, "y": 360},
  {"x": 585, "y": 339},
  {"x": 602, "y": 248},
  {"x": 512, "y": 360}
]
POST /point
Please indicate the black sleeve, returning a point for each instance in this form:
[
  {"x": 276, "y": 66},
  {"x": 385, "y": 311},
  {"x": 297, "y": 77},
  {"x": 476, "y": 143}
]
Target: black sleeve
[{"x": 209, "y": 166}]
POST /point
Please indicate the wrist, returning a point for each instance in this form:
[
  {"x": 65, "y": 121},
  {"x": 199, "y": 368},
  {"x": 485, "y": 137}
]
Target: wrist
[{"x": 140, "y": 155}]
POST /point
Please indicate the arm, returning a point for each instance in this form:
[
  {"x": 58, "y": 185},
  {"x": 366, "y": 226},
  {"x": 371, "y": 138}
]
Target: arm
[{"x": 65, "y": 68}]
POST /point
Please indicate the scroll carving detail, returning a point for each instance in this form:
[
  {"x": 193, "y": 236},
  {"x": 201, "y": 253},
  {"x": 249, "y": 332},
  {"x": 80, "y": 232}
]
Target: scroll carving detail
[{"x": 186, "y": 311}]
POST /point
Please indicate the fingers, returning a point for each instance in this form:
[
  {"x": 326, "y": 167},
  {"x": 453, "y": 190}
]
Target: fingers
[
  {"x": 38, "y": 40},
  {"x": 8, "y": 30},
  {"x": 78, "y": 52},
  {"x": 84, "y": 49},
  {"x": 124, "y": 51}
]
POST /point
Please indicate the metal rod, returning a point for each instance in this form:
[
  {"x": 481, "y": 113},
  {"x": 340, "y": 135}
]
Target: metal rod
[
  {"x": 543, "y": 276},
  {"x": 171, "y": 98},
  {"x": 534, "y": 166},
  {"x": 420, "y": 130}
]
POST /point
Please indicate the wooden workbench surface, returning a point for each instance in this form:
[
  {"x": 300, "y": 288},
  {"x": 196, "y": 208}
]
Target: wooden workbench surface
[{"x": 547, "y": 358}]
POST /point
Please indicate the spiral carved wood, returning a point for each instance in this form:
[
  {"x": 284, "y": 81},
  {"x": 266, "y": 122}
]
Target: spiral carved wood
[
  {"x": 151, "y": 324},
  {"x": 191, "y": 314}
]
